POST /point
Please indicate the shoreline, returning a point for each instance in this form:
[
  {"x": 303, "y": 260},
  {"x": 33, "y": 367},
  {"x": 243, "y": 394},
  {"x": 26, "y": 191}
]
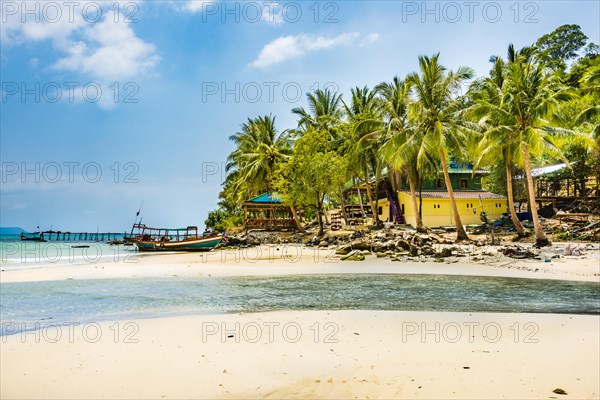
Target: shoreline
[
  {"x": 299, "y": 260},
  {"x": 308, "y": 353}
]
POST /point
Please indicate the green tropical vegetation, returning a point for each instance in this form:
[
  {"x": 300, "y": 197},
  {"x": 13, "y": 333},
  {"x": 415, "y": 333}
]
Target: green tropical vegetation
[{"x": 537, "y": 106}]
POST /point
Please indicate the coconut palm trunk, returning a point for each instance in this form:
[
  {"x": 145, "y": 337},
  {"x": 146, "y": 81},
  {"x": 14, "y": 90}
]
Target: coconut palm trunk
[
  {"x": 320, "y": 217},
  {"x": 413, "y": 197},
  {"x": 509, "y": 194},
  {"x": 540, "y": 236},
  {"x": 360, "y": 202},
  {"x": 343, "y": 204},
  {"x": 370, "y": 197},
  {"x": 377, "y": 179},
  {"x": 295, "y": 216},
  {"x": 461, "y": 234}
]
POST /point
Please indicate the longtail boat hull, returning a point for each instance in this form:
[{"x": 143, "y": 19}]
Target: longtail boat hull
[
  {"x": 203, "y": 244},
  {"x": 33, "y": 237}
]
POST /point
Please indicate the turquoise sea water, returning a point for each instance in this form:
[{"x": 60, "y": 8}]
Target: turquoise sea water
[
  {"x": 14, "y": 251},
  {"x": 82, "y": 301},
  {"x": 85, "y": 301}
]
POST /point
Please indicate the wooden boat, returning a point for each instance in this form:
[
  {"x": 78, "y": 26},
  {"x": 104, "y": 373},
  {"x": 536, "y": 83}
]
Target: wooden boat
[
  {"x": 33, "y": 237},
  {"x": 173, "y": 239}
]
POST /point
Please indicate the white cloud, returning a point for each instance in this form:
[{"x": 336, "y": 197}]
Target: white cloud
[
  {"x": 109, "y": 51},
  {"x": 195, "y": 6},
  {"x": 288, "y": 47},
  {"x": 59, "y": 31},
  {"x": 40, "y": 23},
  {"x": 370, "y": 38},
  {"x": 10, "y": 27},
  {"x": 251, "y": 12},
  {"x": 272, "y": 13}
]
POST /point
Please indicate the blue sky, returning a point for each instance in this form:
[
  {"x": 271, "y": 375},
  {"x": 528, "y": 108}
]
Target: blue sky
[{"x": 108, "y": 104}]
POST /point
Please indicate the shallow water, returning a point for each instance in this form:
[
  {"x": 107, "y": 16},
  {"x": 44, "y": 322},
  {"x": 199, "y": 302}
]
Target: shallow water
[
  {"x": 15, "y": 253},
  {"x": 118, "y": 299}
]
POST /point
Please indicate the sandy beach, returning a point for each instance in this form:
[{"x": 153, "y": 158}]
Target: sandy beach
[
  {"x": 343, "y": 354},
  {"x": 207, "y": 199},
  {"x": 295, "y": 259},
  {"x": 306, "y": 354}
]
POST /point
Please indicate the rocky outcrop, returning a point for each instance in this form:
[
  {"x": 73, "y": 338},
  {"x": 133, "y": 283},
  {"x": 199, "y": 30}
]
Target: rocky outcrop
[{"x": 354, "y": 255}]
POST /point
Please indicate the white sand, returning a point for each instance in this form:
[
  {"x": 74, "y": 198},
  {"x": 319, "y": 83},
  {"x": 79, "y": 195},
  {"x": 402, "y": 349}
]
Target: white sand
[
  {"x": 375, "y": 356},
  {"x": 291, "y": 259},
  {"x": 366, "y": 355}
]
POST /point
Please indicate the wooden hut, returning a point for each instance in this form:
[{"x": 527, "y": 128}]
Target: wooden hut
[{"x": 268, "y": 212}]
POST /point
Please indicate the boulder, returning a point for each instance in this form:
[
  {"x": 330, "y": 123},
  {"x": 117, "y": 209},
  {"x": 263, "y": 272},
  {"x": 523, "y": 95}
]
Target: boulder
[
  {"x": 354, "y": 255},
  {"x": 361, "y": 245},
  {"x": 446, "y": 252},
  {"x": 413, "y": 251},
  {"x": 518, "y": 252},
  {"x": 381, "y": 247},
  {"x": 402, "y": 244},
  {"x": 422, "y": 240},
  {"x": 344, "y": 249},
  {"x": 428, "y": 250}
]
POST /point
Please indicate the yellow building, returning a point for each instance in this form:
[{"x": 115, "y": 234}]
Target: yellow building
[
  {"x": 471, "y": 199},
  {"x": 437, "y": 210}
]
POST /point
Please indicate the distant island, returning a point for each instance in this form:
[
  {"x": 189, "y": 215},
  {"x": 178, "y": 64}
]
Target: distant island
[{"x": 11, "y": 230}]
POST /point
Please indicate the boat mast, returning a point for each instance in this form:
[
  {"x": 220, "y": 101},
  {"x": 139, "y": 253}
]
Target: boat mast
[{"x": 136, "y": 216}]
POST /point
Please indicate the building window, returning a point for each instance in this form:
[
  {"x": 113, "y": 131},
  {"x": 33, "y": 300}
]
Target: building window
[
  {"x": 463, "y": 183},
  {"x": 439, "y": 183},
  {"x": 380, "y": 211}
]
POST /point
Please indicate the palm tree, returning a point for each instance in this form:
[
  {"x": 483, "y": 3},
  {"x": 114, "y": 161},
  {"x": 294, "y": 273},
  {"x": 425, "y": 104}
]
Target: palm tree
[
  {"x": 364, "y": 118},
  {"x": 532, "y": 97},
  {"x": 498, "y": 139},
  {"x": 395, "y": 100},
  {"x": 324, "y": 111},
  {"x": 435, "y": 113},
  {"x": 259, "y": 148},
  {"x": 591, "y": 83}
]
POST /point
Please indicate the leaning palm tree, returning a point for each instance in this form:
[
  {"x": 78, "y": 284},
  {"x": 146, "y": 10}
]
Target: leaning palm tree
[
  {"x": 364, "y": 118},
  {"x": 395, "y": 100},
  {"x": 435, "y": 111},
  {"x": 498, "y": 138},
  {"x": 259, "y": 148},
  {"x": 532, "y": 97}
]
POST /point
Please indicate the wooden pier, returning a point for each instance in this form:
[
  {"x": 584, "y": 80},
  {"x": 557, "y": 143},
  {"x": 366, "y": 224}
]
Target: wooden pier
[{"x": 79, "y": 236}]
